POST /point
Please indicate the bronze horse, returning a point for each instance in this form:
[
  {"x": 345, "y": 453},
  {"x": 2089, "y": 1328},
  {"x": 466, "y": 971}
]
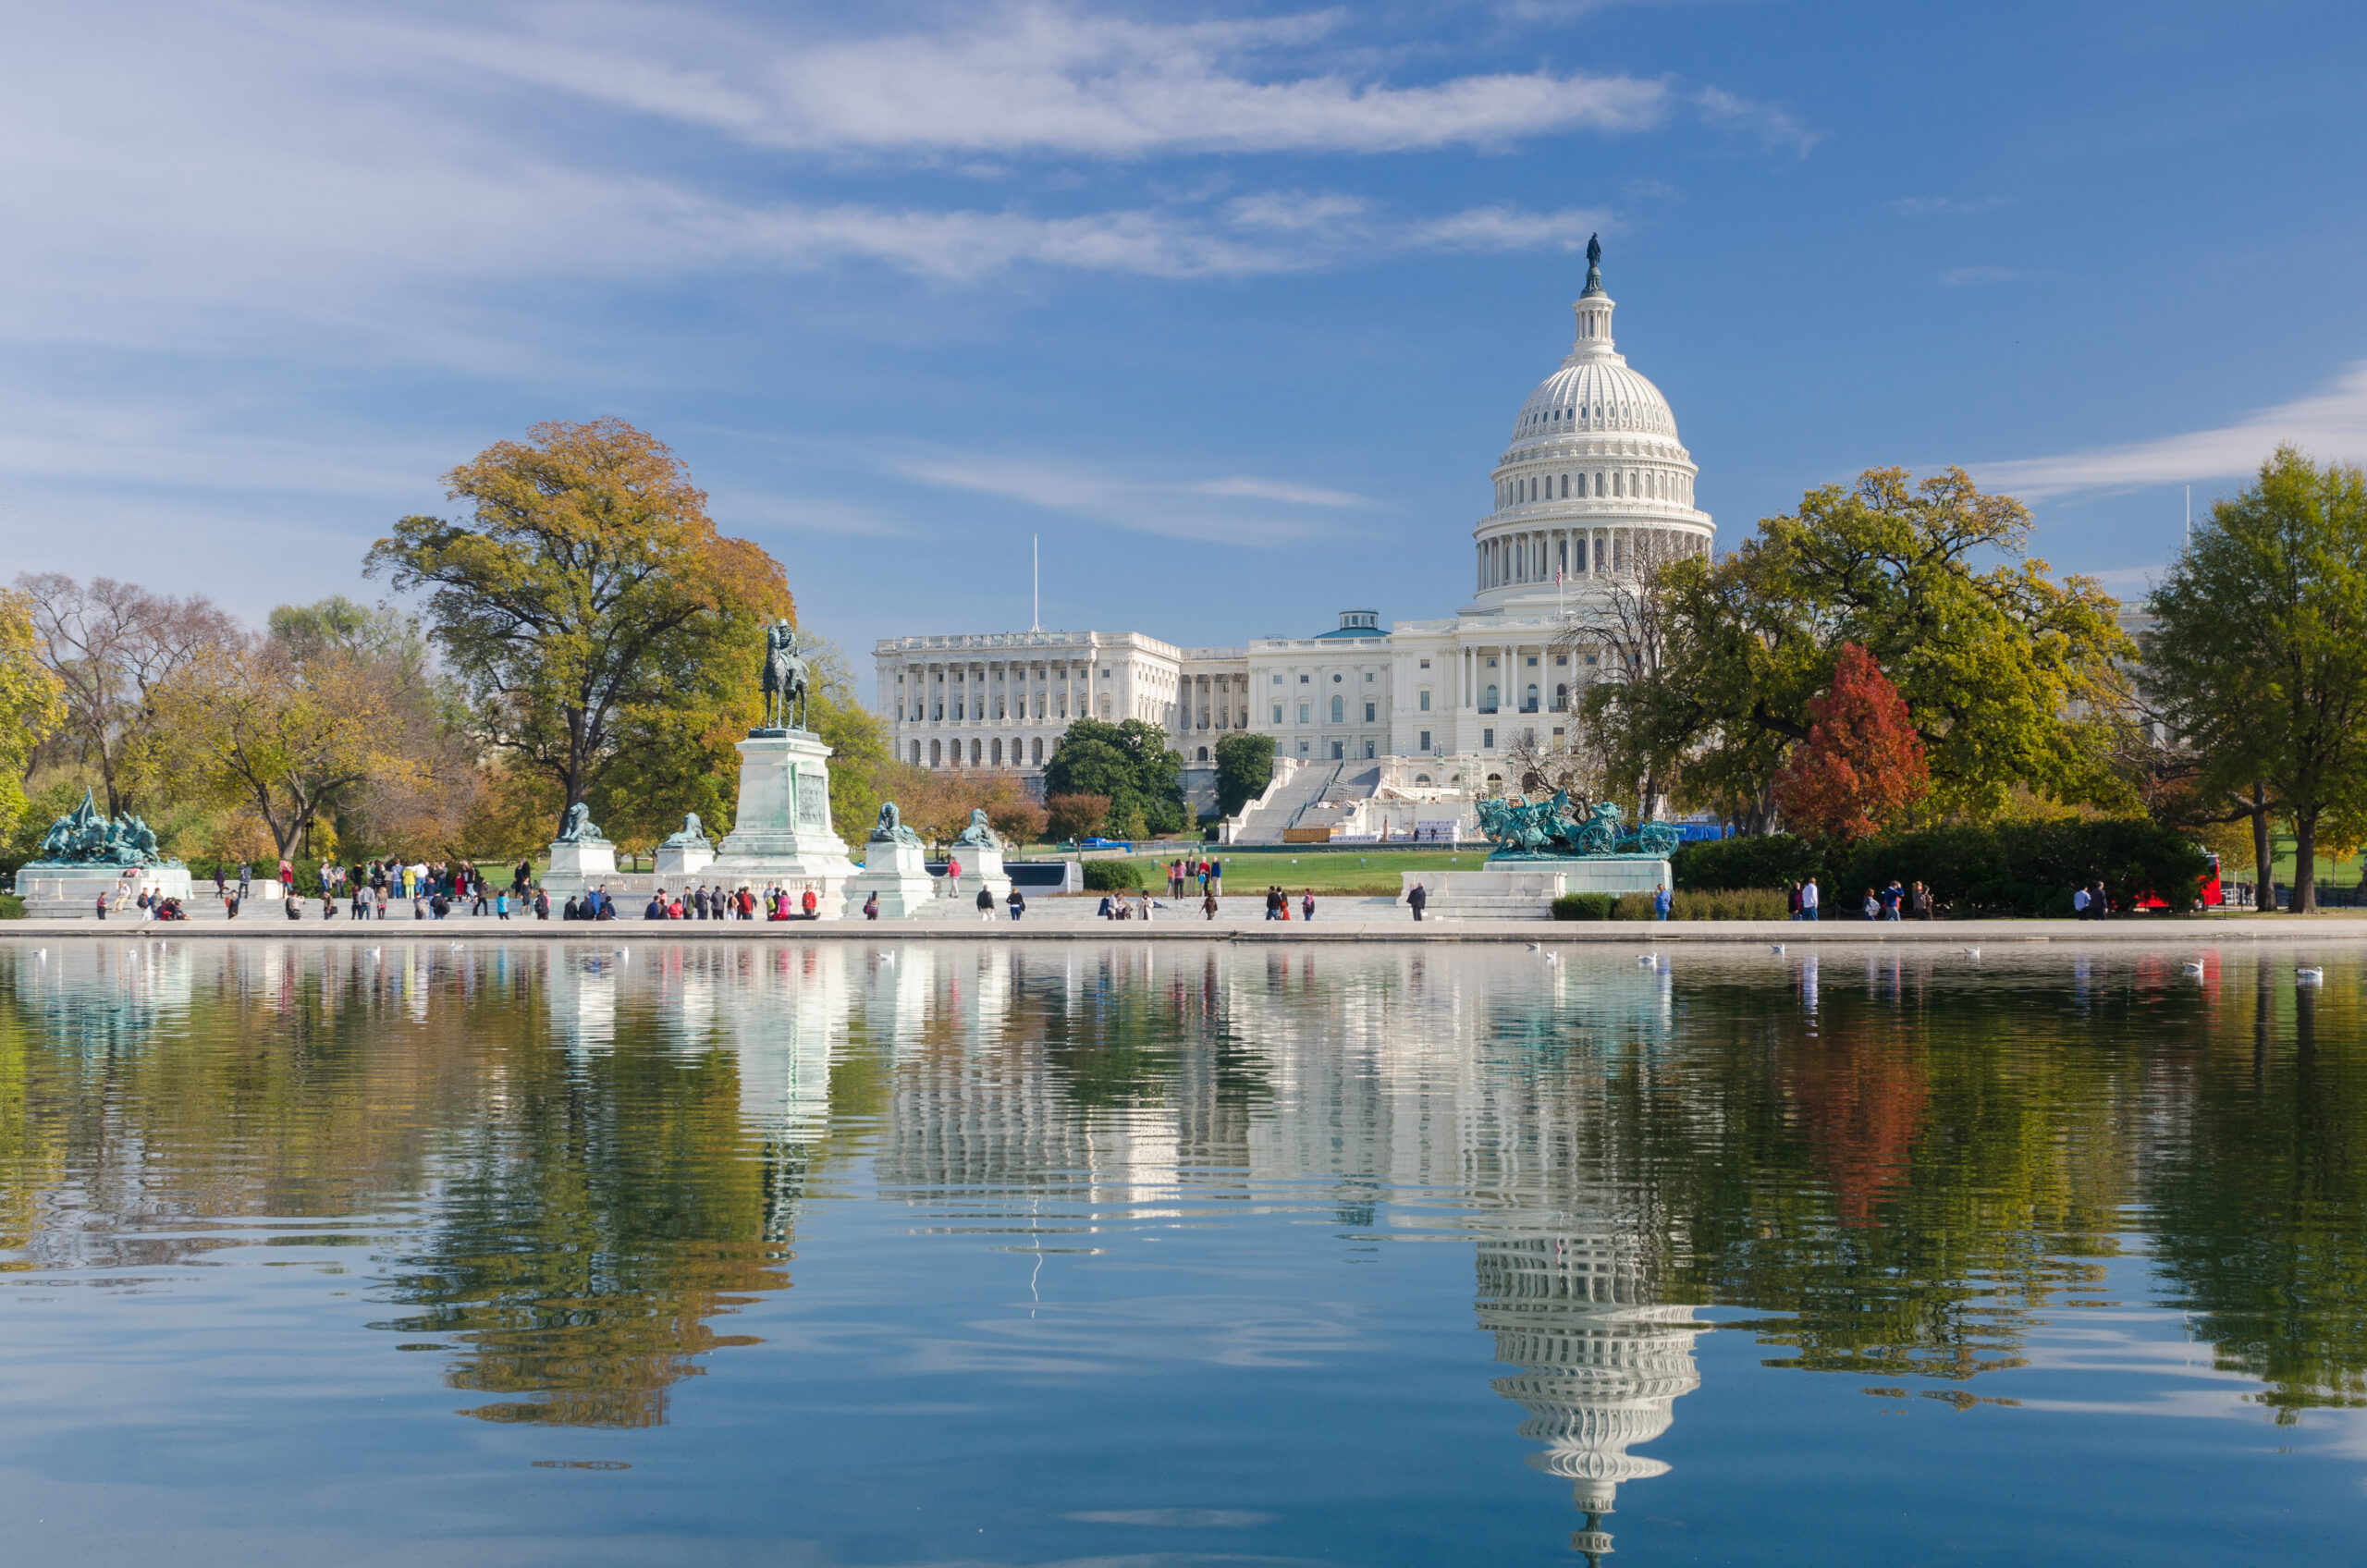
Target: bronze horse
[{"x": 786, "y": 679}]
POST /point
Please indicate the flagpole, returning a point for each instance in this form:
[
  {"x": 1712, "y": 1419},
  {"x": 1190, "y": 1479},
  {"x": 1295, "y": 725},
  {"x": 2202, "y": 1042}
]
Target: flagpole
[{"x": 1036, "y": 570}]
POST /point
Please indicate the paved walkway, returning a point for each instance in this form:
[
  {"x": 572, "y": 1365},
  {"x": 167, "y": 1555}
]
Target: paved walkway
[{"x": 1239, "y": 918}]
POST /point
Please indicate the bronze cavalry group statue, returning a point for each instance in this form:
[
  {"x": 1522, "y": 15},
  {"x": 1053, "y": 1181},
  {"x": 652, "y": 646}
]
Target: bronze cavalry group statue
[
  {"x": 1545, "y": 826},
  {"x": 85, "y": 836}
]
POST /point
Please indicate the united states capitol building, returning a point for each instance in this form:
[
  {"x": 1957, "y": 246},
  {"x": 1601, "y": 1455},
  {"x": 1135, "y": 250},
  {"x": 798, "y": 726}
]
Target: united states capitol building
[{"x": 1593, "y": 483}]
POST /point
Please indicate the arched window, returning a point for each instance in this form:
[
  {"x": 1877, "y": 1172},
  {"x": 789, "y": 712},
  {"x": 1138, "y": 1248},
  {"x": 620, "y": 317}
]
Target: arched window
[
  {"x": 1036, "y": 751},
  {"x": 1561, "y": 699},
  {"x": 1618, "y": 483},
  {"x": 1204, "y": 754},
  {"x": 1487, "y": 701},
  {"x": 995, "y": 753},
  {"x": 1421, "y": 779},
  {"x": 1598, "y": 482},
  {"x": 1566, "y": 487},
  {"x": 936, "y": 753},
  {"x": 1529, "y": 704},
  {"x": 1339, "y": 710},
  {"x": 916, "y": 753},
  {"x": 973, "y": 753}
]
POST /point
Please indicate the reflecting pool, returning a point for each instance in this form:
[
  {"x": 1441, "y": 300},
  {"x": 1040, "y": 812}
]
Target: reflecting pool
[{"x": 838, "y": 1253}]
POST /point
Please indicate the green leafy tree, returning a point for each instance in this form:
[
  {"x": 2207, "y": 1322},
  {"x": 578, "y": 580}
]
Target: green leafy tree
[
  {"x": 2258, "y": 655},
  {"x": 111, "y": 646},
  {"x": 602, "y": 627},
  {"x": 33, "y": 701},
  {"x": 1130, "y": 762},
  {"x": 859, "y": 754},
  {"x": 1245, "y": 766},
  {"x": 1996, "y": 666},
  {"x": 256, "y": 727}
]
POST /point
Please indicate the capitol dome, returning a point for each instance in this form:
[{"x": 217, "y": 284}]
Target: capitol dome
[{"x": 1595, "y": 484}]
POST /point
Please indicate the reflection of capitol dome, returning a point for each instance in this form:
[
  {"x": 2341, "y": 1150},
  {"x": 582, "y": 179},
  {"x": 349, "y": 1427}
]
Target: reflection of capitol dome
[{"x": 1602, "y": 1367}]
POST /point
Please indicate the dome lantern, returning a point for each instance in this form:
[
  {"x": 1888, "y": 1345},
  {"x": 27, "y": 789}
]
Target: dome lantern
[{"x": 1593, "y": 310}]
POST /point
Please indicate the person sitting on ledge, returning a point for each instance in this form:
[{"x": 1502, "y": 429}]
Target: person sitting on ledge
[
  {"x": 813, "y": 905},
  {"x": 657, "y": 910}
]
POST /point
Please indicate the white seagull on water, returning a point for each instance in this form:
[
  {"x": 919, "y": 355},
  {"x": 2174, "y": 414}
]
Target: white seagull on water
[{"x": 2310, "y": 974}]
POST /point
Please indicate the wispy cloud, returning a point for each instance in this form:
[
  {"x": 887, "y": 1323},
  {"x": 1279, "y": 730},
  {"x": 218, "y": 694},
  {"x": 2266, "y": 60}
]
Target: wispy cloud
[
  {"x": 744, "y": 511},
  {"x": 1202, "y": 509},
  {"x": 1008, "y": 80},
  {"x": 1949, "y": 207},
  {"x": 1771, "y": 125},
  {"x": 1279, "y": 490},
  {"x": 2329, "y": 425}
]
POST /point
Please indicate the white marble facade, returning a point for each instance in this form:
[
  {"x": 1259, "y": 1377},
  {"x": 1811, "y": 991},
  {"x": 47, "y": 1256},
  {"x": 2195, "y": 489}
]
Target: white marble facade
[{"x": 1593, "y": 481}]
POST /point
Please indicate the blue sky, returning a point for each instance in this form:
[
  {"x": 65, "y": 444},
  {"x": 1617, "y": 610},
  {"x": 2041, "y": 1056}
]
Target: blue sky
[{"x": 1232, "y": 305}]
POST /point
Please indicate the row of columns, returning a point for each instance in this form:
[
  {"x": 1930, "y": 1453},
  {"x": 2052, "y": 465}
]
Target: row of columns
[
  {"x": 1212, "y": 702},
  {"x": 1531, "y": 554},
  {"x": 930, "y": 695},
  {"x": 1508, "y": 680},
  {"x": 1631, "y": 484},
  {"x": 1024, "y": 752}
]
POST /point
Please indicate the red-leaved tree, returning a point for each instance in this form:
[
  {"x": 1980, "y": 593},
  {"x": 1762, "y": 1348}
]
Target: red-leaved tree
[{"x": 1862, "y": 765}]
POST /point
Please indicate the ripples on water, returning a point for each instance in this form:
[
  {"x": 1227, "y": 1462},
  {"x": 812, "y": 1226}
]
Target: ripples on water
[{"x": 824, "y": 1254}]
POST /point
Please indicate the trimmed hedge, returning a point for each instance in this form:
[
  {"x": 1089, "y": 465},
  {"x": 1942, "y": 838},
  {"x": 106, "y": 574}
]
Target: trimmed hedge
[
  {"x": 1584, "y": 906},
  {"x": 1729, "y": 903},
  {"x": 1112, "y": 876},
  {"x": 2027, "y": 868},
  {"x": 1770, "y": 860},
  {"x": 1722, "y": 903}
]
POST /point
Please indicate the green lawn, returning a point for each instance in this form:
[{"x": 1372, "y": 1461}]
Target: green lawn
[{"x": 2332, "y": 873}]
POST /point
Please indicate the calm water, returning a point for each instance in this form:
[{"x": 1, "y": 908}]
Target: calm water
[{"x": 784, "y": 1253}]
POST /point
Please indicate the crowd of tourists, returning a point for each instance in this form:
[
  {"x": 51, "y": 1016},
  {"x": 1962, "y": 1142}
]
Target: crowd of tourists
[
  {"x": 703, "y": 902},
  {"x": 1184, "y": 872},
  {"x": 1897, "y": 901}
]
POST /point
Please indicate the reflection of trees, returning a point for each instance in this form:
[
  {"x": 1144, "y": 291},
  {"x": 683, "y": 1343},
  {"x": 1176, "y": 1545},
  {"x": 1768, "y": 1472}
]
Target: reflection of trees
[
  {"x": 1912, "y": 1180},
  {"x": 2257, "y": 1192},
  {"x": 592, "y": 1219},
  {"x": 168, "y": 1086},
  {"x": 585, "y": 1218}
]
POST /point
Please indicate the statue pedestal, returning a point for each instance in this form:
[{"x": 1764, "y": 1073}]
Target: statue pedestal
[
  {"x": 783, "y": 836},
  {"x": 981, "y": 861},
  {"x": 579, "y": 865},
  {"x": 899, "y": 874},
  {"x": 71, "y": 892},
  {"x": 680, "y": 863}
]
